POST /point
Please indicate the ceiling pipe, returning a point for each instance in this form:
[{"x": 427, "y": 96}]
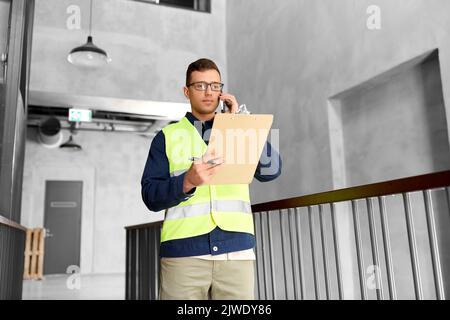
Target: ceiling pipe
[{"x": 105, "y": 126}]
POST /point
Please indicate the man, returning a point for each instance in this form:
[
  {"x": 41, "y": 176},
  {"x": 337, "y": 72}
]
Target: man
[{"x": 207, "y": 238}]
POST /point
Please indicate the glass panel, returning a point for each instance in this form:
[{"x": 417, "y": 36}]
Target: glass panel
[{"x": 4, "y": 20}]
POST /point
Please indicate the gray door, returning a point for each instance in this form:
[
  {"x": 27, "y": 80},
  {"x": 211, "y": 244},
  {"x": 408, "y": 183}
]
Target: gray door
[{"x": 63, "y": 225}]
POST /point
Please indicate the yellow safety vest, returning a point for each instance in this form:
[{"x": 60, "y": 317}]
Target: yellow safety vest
[{"x": 225, "y": 206}]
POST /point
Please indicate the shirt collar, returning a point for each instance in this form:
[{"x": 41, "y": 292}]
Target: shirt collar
[{"x": 192, "y": 119}]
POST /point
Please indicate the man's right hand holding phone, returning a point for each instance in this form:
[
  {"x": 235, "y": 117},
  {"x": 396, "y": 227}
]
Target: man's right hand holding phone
[{"x": 230, "y": 102}]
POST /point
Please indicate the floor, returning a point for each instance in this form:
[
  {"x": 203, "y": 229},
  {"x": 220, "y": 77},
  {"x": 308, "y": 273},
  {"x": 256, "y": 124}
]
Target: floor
[{"x": 76, "y": 287}]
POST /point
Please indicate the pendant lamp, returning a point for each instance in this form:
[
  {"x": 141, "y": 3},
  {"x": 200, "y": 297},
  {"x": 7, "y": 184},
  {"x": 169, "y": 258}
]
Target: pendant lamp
[{"x": 88, "y": 55}]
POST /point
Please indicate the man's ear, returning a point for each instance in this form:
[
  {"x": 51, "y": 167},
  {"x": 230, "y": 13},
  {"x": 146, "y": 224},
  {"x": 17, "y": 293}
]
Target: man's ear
[{"x": 186, "y": 92}]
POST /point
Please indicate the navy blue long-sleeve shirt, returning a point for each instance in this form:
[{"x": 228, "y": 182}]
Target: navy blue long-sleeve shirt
[{"x": 160, "y": 192}]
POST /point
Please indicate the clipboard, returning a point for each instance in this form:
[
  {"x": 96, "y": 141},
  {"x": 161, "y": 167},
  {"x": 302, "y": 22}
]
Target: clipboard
[{"x": 240, "y": 140}]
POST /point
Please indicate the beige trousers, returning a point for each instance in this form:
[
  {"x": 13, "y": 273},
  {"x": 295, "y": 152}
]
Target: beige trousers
[{"x": 198, "y": 279}]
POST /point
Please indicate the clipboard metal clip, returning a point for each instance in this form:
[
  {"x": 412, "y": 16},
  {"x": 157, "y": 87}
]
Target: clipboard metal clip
[{"x": 242, "y": 109}]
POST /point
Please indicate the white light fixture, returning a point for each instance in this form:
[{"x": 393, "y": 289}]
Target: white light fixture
[
  {"x": 89, "y": 55},
  {"x": 70, "y": 144}
]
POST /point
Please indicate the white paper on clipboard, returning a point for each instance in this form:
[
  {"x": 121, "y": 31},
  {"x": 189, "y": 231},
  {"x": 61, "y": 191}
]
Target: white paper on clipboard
[{"x": 240, "y": 140}]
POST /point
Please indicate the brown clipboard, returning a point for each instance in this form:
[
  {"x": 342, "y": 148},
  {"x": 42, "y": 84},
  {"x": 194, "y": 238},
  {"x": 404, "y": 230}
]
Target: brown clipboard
[{"x": 240, "y": 140}]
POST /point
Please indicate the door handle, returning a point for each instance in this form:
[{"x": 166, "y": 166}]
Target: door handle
[{"x": 48, "y": 234}]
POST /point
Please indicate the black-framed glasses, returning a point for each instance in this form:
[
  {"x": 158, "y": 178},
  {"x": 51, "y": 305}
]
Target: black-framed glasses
[{"x": 203, "y": 86}]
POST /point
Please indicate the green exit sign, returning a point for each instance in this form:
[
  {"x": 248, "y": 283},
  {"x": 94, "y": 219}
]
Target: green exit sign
[{"x": 80, "y": 115}]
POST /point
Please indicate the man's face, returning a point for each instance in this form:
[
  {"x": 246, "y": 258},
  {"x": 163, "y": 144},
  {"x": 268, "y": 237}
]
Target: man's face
[{"x": 203, "y": 102}]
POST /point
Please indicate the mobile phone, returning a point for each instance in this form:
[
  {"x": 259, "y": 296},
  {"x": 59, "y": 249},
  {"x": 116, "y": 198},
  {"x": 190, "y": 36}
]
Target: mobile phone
[
  {"x": 223, "y": 104},
  {"x": 222, "y": 110}
]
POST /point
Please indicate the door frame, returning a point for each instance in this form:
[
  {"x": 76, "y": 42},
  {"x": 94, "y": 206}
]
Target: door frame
[
  {"x": 13, "y": 135},
  {"x": 33, "y": 208},
  {"x": 45, "y": 224}
]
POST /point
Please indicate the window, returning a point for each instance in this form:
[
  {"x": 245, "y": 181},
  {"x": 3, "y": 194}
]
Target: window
[
  {"x": 4, "y": 22},
  {"x": 5, "y": 7},
  {"x": 197, "y": 5}
]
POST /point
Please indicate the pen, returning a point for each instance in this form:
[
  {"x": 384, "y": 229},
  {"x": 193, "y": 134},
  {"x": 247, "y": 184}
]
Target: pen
[{"x": 196, "y": 159}]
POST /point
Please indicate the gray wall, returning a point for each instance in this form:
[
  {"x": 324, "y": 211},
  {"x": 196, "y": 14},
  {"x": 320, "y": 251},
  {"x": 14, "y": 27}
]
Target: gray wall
[
  {"x": 396, "y": 128},
  {"x": 289, "y": 58}
]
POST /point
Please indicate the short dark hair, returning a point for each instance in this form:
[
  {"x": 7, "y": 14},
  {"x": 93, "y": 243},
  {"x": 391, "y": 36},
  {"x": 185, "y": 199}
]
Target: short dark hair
[{"x": 200, "y": 65}]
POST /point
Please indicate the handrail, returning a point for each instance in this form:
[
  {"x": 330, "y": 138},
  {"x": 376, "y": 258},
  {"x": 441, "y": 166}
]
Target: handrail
[
  {"x": 411, "y": 184},
  {"x": 144, "y": 226},
  {"x": 305, "y": 245},
  {"x": 11, "y": 224},
  {"x": 12, "y": 249}
]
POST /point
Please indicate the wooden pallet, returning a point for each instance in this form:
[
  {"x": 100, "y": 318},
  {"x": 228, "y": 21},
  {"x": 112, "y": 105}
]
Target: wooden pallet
[{"x": 34, "y": 254}]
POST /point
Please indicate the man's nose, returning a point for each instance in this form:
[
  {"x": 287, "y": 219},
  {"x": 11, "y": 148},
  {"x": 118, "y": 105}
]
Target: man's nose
[{"x": 208, "y": 90}]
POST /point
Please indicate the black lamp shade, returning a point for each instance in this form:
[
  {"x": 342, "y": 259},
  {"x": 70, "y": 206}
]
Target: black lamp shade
[{"x": 88, "y": 55}]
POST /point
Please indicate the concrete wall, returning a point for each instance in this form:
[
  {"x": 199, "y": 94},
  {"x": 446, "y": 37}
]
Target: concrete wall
[
  {"x": 150, "y": 47},
  {"x": 288, "y": 59},
  {"x": 396, "y": 128}
]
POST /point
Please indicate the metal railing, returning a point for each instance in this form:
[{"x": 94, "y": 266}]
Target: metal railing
[
  {"x": 386, "y": 240},
  {"x": 12, "y": 247},
  {"x": 142, "y": 262}
]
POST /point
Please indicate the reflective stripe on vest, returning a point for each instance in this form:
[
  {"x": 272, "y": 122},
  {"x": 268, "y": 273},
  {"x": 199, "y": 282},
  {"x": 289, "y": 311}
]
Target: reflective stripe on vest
[
  {"x": 222, "y": 206},
  {"x": 178, "y": 173},
  {"x": 225, "y": 206}
]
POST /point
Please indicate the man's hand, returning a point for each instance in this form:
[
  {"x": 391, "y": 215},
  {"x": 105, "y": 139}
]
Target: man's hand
[
  {"x": 201, "y": 172},
  {"x": 230, "y": 102}
]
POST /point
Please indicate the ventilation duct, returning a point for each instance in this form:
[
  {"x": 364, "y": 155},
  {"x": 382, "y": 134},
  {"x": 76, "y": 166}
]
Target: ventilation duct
[{"x": 50, "y": 135}]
